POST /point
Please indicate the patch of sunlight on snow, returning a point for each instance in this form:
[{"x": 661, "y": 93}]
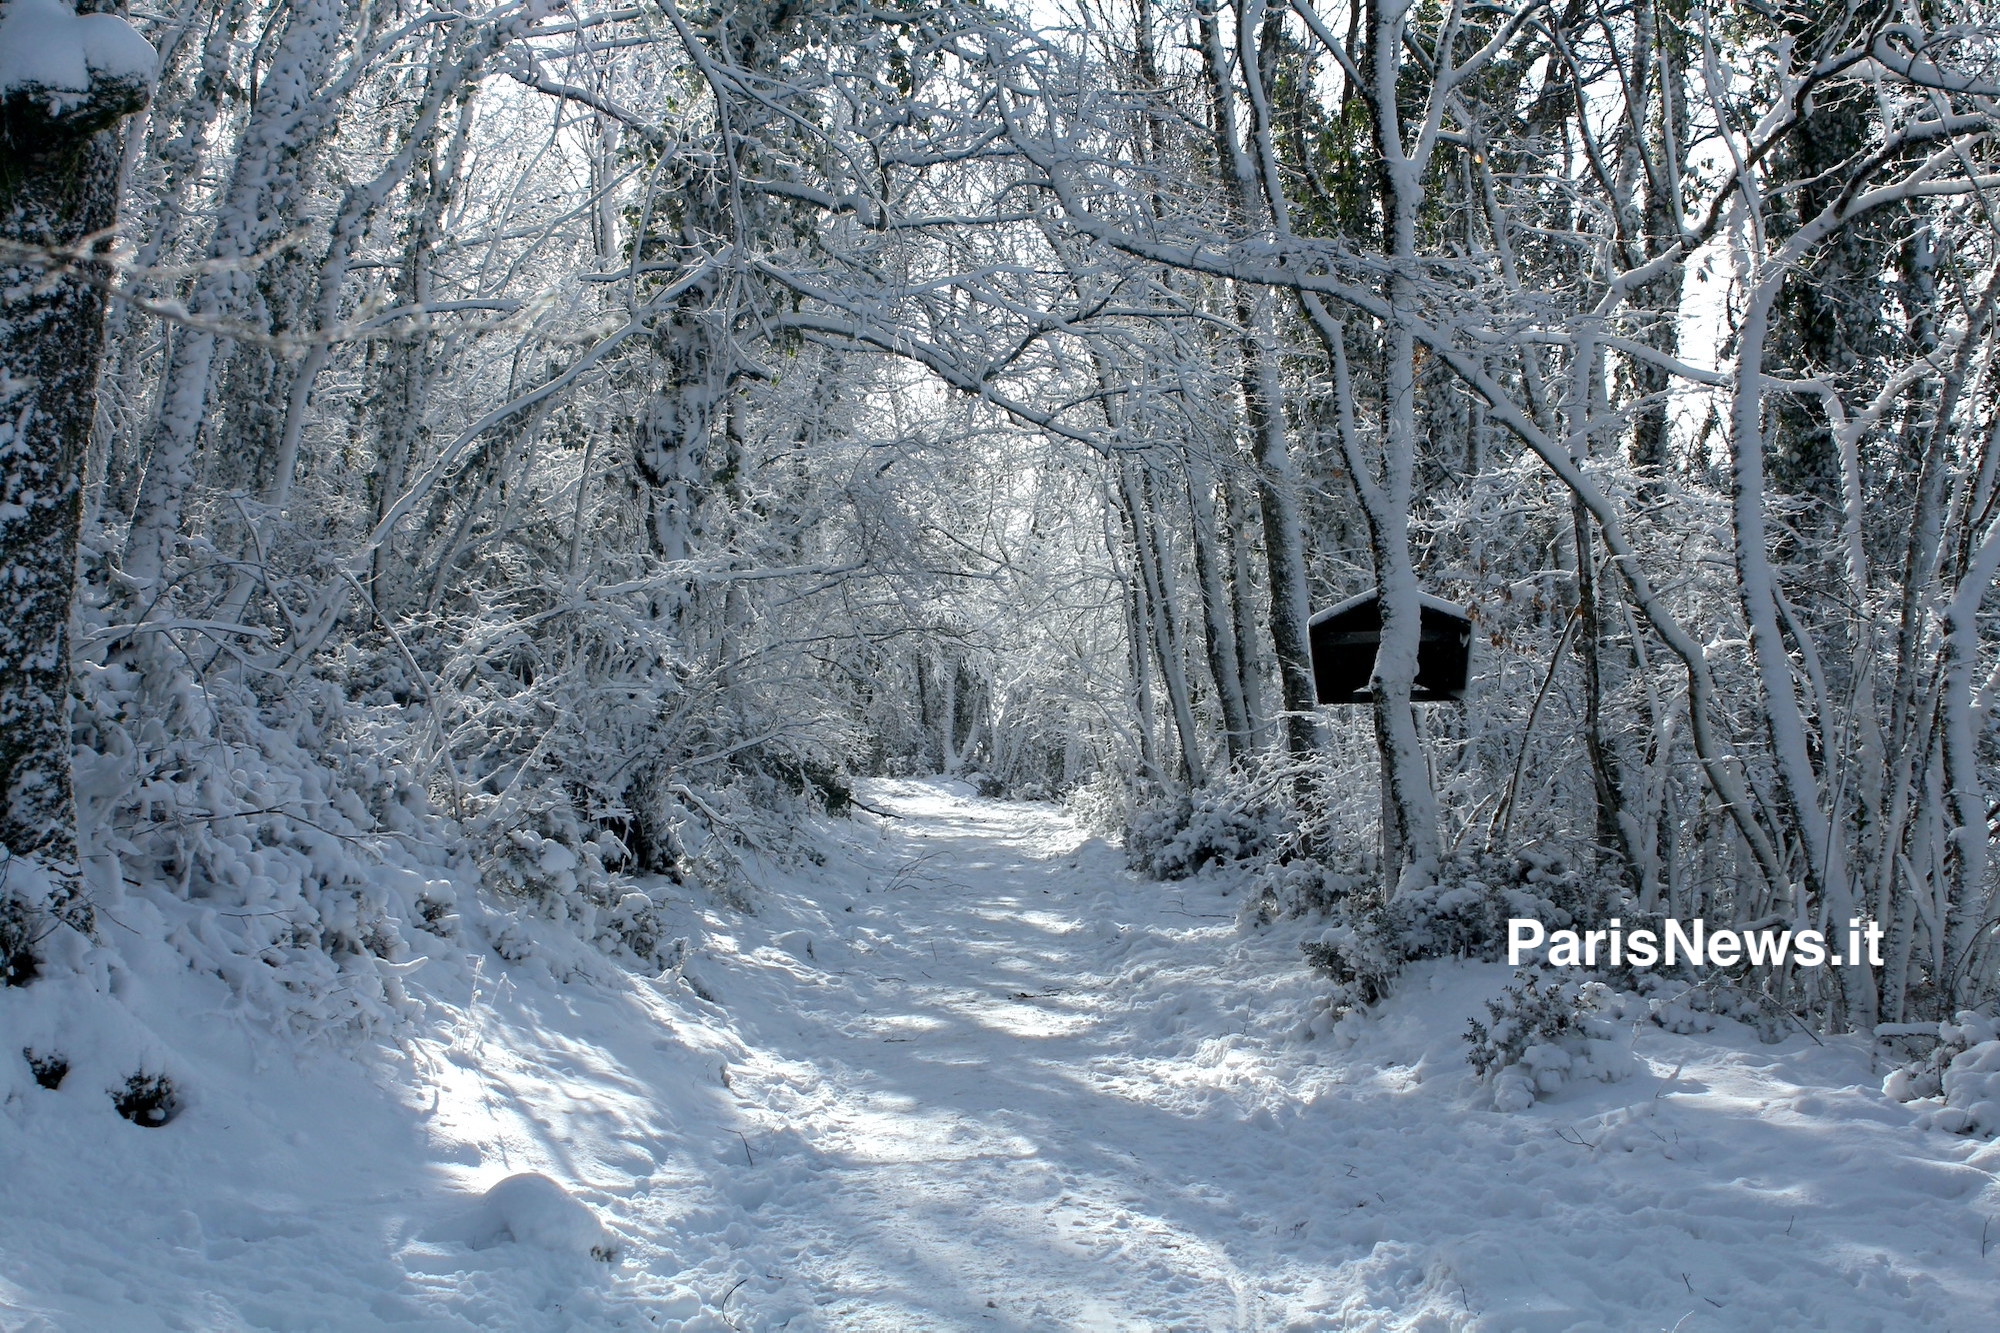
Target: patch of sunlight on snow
[
  {"x": 892, "y": 1130},
  {"x": 1053, "y": 922},
  {"x": 916, "y": 1023},
  {"x": 1020, "y": 1019}
]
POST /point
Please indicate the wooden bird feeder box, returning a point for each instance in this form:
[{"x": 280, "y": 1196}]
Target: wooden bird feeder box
[{"x": 1344, "y": 639}]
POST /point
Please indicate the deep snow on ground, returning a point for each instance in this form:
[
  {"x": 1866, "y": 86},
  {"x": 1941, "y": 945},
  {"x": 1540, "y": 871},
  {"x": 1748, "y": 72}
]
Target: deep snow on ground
[{"x": 968, "y": 1074}]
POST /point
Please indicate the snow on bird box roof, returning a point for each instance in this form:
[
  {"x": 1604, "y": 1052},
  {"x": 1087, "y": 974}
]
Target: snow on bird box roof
[{"x": 1360, "y": 599}]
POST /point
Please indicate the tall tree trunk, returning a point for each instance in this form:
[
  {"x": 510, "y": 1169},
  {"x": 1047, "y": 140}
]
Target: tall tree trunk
[
  {"x": 59, "y": 164},
  {"x": 1284, "y": 524},
  {"x": 1826, "y": 883},
  {"x": 292, "y": 115},
  {"x": 1243, "y": 600},
  {"x": 1264, "y": 411},
  {"x": 1151, "y": 778},
  {"x": 1218, "y": 621},
  {"x": 1409, "y": 806},
  {"x": 1150, "y": 563}
]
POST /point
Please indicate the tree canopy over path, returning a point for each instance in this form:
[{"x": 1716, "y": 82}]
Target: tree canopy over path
[{"x": 624, "y": 426}]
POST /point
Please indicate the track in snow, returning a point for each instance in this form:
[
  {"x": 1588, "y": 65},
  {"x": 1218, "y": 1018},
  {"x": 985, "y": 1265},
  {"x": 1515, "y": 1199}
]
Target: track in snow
[{"x": 985, "y": 1141}]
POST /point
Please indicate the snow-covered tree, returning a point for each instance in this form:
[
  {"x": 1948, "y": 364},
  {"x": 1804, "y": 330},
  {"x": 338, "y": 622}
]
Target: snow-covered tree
[{"x": 67, "y": 82}]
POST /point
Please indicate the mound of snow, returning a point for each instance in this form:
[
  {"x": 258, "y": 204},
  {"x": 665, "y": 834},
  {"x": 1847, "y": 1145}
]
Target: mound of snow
[
  {"x": 1962, "y": 1072},
  {"x": 530, "y": 1209},
  {"x": 1972, "y": 1092}
]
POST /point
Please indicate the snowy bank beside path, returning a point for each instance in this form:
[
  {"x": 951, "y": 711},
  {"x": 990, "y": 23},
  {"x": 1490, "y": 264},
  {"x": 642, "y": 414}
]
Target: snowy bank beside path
[{"x": 970, "y": 1073}]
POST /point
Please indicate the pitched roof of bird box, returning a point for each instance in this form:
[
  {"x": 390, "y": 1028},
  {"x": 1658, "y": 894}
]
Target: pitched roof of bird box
[{"x": 1362, "y": 599}]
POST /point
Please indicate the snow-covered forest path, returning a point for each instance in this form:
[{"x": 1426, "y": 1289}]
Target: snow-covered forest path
[
  {"x": 995, "y": 1080},
  {"x": 980, "y": 1126},
  {"x": 968, "y": 1073}
]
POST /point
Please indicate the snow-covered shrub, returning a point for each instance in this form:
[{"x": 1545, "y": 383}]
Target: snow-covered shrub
[
  {"x": 34, "y": 905},
  {"x": 604, "y": 719},
  {"x": 303, "y": 839},
  {"x": 539, "y": 851},
  {"x": 283, "y": 840},
  {"x": 147, "y": 1100},
  {"x": 992, "y": 787},
  {"x": 534, "y": 1211},
  {"x": 1544, "y": 1036},
  {"x": 1305, "y": 887},
  {"x": 1218, "y": 826},
  {"x": 1962, "y": 1070},
  {"x": 49, "y": 1068},
  {"x": 1686, "y": 1007},
  {"x": 787, "y": 781},
  {"x": 1463, "y": 914},
  {"x": 1925, "y": 1051},
  {"x": 1361, "y": 954},
  {"x": 546, "y": 856},
  {"x": 76, "y": 1030},
  {"x": 1100, "y": 805},
  {"x": 1972, "y": 1086}
]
